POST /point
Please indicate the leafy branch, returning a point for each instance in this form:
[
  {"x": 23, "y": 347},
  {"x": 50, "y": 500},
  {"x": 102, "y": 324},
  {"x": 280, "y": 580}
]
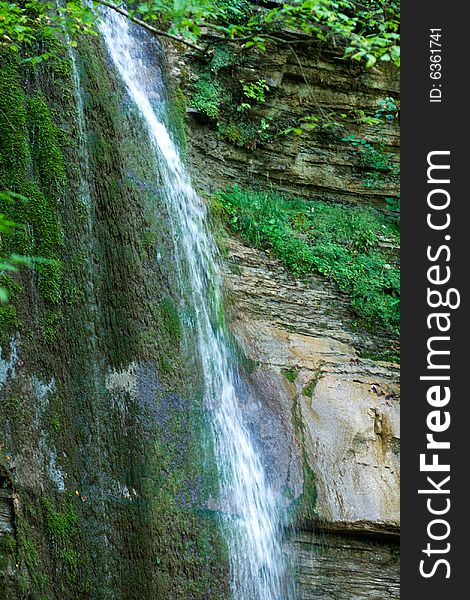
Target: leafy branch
[{"x": 363, "y": 31}]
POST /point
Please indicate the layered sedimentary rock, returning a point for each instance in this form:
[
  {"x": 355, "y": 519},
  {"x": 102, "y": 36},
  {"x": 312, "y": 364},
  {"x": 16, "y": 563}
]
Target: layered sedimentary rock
[
  {"x": 345, "y": 568},
  {"x": 342, "y": 410},
  {"x": 304, "y": 81},
  {"x": 321, "y": 407}
]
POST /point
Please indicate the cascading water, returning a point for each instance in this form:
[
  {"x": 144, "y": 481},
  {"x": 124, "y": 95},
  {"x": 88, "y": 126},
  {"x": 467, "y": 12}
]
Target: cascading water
[{"x": 252, "y": 520}]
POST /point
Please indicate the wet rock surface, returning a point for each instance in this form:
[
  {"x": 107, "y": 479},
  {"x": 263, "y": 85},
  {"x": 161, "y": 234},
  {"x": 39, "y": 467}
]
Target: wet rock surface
[
  {"x": 344, "y": 568},
  {"x": 339, "y": 411}
]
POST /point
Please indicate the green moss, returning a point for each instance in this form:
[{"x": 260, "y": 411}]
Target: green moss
[
  {"x": 31, "y": 164},
  {"x": 34, "y": 558},
  {"x": 45, "y": 146},
  {"x": 8, "y": 322},
  {"x": 178, "y": 107},
  {"x": 55, "y": 423},
  {"x": 7, "y": 543},
  {"x": 11, "y": 403},
  {"x": 11, "y": 285},
  {"x": 304, "y": 508},
  {"x": 61, "y": 525},
  {"x": 290, "y": 374},
  {"x": 48, "y": 238},
  {"x": 43, "y": 212},
  {"x": 309, "y": 389},
  {"x": 312, "y": 384},
  {"x": 14, "y": 151},
  {"x": 7, "y": 551},
  {"x": 51, "y": 325},
  {"x": 245, "y": 131},
  {"x": 27, "y": 550},
  {"x": 171, "y": 319}
]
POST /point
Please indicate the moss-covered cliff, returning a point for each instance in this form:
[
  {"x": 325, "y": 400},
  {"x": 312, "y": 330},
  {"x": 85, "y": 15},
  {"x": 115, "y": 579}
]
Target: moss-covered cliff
[{"x": 104, "y": 480}]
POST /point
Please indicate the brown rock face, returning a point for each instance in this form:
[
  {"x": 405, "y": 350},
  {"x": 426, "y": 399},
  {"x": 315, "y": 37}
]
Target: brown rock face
[{"x": 322, "y": 411}]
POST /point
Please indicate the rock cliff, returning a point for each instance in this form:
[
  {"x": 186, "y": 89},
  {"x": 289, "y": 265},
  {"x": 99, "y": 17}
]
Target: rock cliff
[
  {"x": 343, "y": 410},
  {"x": 104, "y": 487},
  {"x": 327, "y": 419},
  {"x": 305, "y": 82}
]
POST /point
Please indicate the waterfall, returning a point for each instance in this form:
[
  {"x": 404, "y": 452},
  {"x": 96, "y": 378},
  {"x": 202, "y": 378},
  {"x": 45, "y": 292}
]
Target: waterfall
[{"x": 252, "y": 517}]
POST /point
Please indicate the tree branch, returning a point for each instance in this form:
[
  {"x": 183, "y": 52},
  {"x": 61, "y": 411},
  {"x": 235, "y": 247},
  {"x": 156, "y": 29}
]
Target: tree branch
[
  {"x": 211, "y": 42},
  {"x": 147, "y": 26}
]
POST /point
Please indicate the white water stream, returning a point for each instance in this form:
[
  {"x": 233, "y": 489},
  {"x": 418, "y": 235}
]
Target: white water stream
[{"x": 252, "y": 516}]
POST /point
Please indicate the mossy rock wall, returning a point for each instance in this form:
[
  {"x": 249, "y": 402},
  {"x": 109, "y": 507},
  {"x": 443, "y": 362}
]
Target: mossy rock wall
[
  {"x": 104, "y": 481},
  {"x": 291, "y": 137}
]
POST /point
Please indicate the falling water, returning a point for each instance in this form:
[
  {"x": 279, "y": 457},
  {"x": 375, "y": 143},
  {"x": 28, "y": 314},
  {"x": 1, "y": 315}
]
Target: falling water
[{"x": 252, "y": 521}]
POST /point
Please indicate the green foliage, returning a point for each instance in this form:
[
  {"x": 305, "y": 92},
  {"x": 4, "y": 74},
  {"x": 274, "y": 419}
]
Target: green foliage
[
  {"x": 372, "y": 156},
  {"x": 256, "y": 90},
  {"x": 183, "y": 17},
  {"x": 341, "y": 243},
  {"x": 222, "y": 57},
  {"x": 246, "y": 133},
  {"x": 222, "y": 98},
  {"x": 368, "y": 32},
  {"x": 290, "y": 374},
  {"x": 386, "y": 112},
  {"x": 24, "y": 24},
  {"x": 329, "y": 121},
  {"x": 387, "y": 109},
  {"x": 207, "y": 96},
  {"x": 393, "y": 204}
]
